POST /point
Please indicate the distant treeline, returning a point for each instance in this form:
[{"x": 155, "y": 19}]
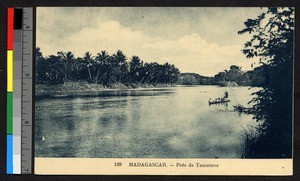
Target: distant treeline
[
  {"x": 254, "y": 77},
  {"x": 102, "y": 69}
]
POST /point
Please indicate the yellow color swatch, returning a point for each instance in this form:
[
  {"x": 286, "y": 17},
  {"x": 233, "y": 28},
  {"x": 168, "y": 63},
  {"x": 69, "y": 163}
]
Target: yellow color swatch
[{"x": 9, "y": 70}]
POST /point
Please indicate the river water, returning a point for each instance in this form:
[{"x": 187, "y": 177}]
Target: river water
[{"x": 172, "y": 122}]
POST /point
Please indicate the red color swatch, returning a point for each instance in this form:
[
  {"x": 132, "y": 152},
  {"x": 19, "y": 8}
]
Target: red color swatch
[{"x": 10, "y": 28}]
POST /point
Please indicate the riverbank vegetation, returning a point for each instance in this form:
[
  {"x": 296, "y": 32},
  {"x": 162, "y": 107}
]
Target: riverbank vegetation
[
  {"x": 234, "y": 75},
  {"x": 64, "y": 70},
  {"x": 272, "y": 42}
]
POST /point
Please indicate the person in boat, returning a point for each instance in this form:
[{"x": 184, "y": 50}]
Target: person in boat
[
  {"x": 224, "y": 98},
  {"x": 225, "y": 95}
]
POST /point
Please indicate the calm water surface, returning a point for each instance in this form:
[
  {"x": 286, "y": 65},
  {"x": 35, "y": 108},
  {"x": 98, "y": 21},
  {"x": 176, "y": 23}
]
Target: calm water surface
[{"x": 150, "y": 123}]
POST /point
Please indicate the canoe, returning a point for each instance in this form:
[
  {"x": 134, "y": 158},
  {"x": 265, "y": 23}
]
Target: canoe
[{"x": 218, "y": 102}]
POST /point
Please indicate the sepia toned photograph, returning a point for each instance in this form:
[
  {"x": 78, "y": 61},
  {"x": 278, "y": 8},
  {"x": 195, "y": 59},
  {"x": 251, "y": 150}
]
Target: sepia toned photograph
[{"x": 164, "y": 83}]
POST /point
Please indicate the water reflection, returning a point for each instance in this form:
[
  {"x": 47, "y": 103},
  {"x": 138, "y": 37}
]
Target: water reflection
[
  {"x": 160, "y": 123},
  {"x": 107, "y": 93}
]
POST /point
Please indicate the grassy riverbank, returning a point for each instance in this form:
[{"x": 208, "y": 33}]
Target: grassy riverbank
[{"x": 72, "y": 89}]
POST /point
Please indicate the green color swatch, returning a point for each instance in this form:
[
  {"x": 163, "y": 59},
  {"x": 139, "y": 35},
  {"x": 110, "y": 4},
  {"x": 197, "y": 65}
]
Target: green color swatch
[{"x": 9, "y": 113}]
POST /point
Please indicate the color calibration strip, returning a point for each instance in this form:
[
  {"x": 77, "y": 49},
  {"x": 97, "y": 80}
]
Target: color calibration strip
[
  {"x": 19, "y": 90},
  {"x": 9, "y": 104}
]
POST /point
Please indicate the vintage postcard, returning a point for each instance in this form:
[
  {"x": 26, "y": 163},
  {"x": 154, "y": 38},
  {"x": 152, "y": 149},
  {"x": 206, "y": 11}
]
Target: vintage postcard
[{"x": 164, "y": 90}]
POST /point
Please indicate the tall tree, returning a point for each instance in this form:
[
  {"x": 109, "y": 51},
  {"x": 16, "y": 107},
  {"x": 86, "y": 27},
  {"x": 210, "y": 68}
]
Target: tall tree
[
  {"x": 272, "y": 43},
  {"x": 135, "y": 66},
  {"x": 57, "y": 70},
  {"x": 89, "y": 61},
  {"x": 120, "y": 69},
  {"x": 41, "y": 66},
  {"x": 67, "y": 59},
  {"x": 101, "y": 60},
  {"x": 120, "y": 57}
]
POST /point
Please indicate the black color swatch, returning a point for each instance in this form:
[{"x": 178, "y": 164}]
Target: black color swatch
[{"x": 18, "y": 19}]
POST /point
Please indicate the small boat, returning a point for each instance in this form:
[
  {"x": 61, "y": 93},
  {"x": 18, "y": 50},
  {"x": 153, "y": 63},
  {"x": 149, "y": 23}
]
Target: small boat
[
  {"x": 221, "y": 100},
  {"x": 218, "y": 102}
]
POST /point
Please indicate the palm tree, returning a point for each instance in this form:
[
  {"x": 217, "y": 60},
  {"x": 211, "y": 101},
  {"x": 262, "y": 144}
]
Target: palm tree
[
  {"x": 100, "y": 61},
  {"x": 89, "y": 61},
  {"x": 135, "y": 66},
  {"x": 55, "y": 68},
  {"x": 150, "y": 71},
  {"x": 68, "y": 61},
  {"x": 41, "y": 66},
  {"x": 120, "y": 65},
  {"x": 120, "y": 57}
]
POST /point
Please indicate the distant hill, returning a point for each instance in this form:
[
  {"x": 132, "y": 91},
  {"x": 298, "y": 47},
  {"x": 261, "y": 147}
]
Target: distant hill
[
  {"x": 194, "y": 79},
  {"x": 234, "y": 75}
]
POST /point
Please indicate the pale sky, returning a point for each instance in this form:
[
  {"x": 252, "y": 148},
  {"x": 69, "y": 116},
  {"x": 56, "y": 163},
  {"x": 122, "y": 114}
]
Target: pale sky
[{"x": 199, "y": 40}]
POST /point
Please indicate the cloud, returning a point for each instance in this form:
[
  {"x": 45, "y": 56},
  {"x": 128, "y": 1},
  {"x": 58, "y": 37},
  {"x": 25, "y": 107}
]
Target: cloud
[{"x": 190, "y": 53}]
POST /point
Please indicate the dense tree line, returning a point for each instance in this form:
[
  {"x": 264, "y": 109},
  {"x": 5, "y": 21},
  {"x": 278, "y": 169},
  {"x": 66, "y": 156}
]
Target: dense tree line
[
  {"x": 102, "y": 69},
  {"x": 273, "y": 43},
  {"x": 254, "y": 77},
  {"x": 235, "y": 74}
]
